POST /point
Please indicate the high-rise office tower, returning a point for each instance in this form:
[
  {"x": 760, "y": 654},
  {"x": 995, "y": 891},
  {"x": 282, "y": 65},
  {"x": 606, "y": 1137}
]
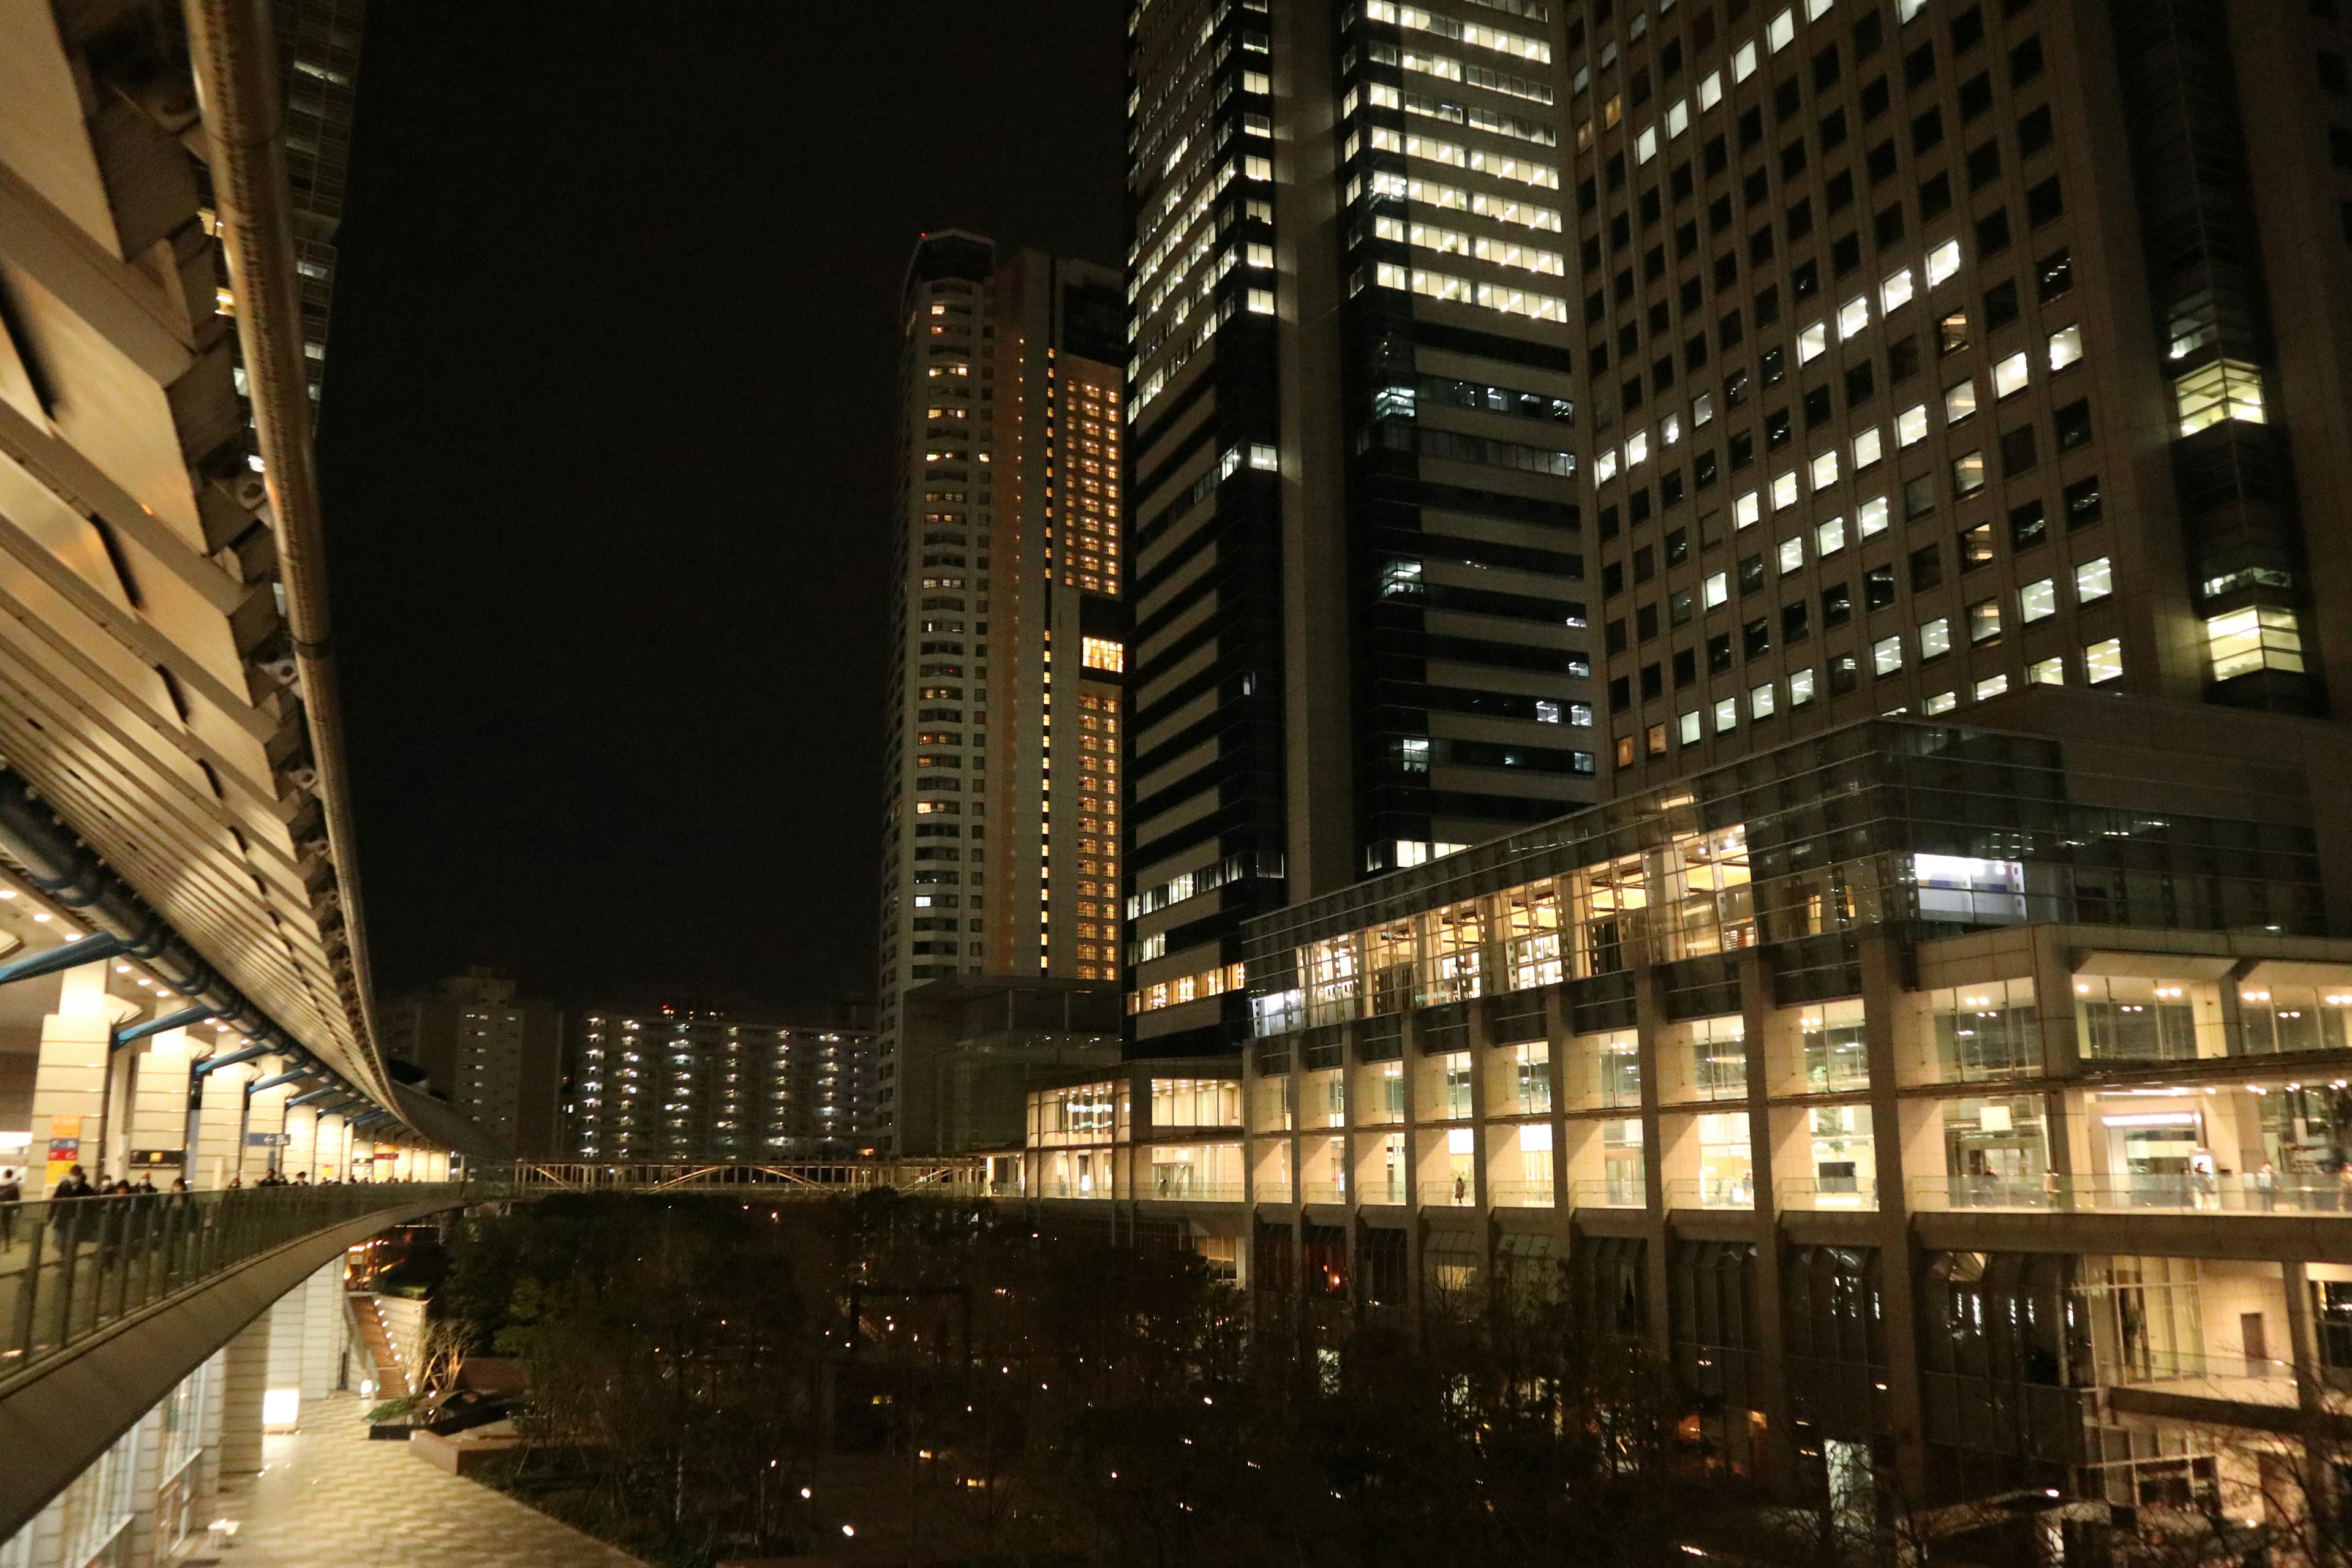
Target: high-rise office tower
[
  {"x": 1001, "y": 848},
  {"x": 1357, "y": 561},
  {"x": 1978, "y": 363},
  {"x": 1939, "y": 354}
]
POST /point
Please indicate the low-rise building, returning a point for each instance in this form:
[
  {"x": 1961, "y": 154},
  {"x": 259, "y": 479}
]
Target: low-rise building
[{"x": 1972, "y": 1106}]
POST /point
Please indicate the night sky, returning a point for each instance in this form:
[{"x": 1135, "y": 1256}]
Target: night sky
[{"x": 607, "y": 440}]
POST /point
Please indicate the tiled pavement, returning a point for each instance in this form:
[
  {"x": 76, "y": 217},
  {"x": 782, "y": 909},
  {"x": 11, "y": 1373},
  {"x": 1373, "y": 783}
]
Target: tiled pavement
[{"x": 332, "y": 1499}]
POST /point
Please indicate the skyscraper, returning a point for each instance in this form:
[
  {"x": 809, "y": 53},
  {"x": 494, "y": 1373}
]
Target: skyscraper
[
  {"x": 1357, "y": 553},
  {"x": 1960, "y": 389},
  {"x": 1957, "y": 355},
  {"x": 1001, "y": 848}
]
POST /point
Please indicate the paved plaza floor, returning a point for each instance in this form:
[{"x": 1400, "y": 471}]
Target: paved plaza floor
[{"x": 332, "y": 1499}]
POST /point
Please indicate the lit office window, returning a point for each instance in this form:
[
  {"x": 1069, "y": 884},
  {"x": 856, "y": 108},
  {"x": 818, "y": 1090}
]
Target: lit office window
[{"x": 2257, "y": 637}]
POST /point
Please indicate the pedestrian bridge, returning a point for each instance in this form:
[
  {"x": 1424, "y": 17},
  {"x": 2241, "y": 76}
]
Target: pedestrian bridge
[{"x": 954, "y": 1176}]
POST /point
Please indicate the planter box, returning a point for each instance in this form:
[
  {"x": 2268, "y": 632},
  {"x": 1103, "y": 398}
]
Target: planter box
[
  {"x": 389, "y": 1433},
  {"x": 461, "y": 1455}
]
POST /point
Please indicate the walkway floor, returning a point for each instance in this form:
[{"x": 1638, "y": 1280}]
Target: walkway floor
[{"x": 332, "y": 1499}]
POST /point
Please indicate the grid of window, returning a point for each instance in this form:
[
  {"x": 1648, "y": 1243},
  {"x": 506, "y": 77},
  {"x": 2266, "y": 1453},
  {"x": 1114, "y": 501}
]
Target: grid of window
[
  {"x": 1833, "y": 358},
  {"x": 698, "y": 1086}
]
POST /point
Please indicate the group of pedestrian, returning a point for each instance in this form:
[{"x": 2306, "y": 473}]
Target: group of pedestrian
[{"x": 77, "y": 1184}]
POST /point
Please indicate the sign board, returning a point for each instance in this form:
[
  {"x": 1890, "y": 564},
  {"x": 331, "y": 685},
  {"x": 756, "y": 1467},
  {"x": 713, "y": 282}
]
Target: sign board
[
  {"x": 156, "y": 1159},
  {"x": 266, "y": 1139},
  {"x": 65, "y": 1146}
]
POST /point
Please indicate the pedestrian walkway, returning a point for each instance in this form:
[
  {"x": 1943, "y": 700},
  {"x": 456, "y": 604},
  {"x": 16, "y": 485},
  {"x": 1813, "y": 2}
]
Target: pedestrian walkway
[{"x": 332, "y": 1499}]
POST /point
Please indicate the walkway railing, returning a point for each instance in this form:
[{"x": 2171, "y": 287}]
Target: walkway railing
[
  {"x": 950, "y": 1177},
  {"x": 71, "y": 1267}
]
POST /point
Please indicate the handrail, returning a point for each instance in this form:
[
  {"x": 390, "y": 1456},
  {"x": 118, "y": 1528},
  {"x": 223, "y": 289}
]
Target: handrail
[{"x": 70, "y": 1267}]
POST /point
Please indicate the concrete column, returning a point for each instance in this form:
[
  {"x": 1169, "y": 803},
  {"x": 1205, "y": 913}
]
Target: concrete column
[
  {"x": 1482, "y": 1196},
  {"x": 1033, "y": 1176},
  {"x": 1650, "y": 1027},
  {"x": 1410, "y": 1068},
  {"x": 158, "y": 1117},
  {"x": 2062, "y": 1046},
  {"x": 289, "y": 1340},
  {"x": 2303, "y": 1340},
  {"x": 1353, "y": 1155},
  {"x": 300, "y": 1152},
  {"x": 244, "y": 1379},
  {"x": 70, "y": 1084},
  {"x": 121, "y": 1085},
  {"x": 1556, "y": 1033},
  {"x": 268, "y": 1116},
  {"x": 209, "y": 1468},
  {"x": 146, "y": 1472},
  {"x": 327, "y": 1155},
  {"x": 217, "y": 1126},
  {"x": 1755, "y": 1006},
  {"x": 323, "y": 1331},
  {"x": 47, "y": 1535},
  {"x": 1881, "y": 995}
]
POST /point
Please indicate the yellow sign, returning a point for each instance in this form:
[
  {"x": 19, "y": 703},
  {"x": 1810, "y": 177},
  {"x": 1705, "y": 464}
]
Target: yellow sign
[{"x": 65, "y": 1147}]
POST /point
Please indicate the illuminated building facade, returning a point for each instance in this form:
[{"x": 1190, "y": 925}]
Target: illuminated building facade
[
  {"x": 1954, "y": 350},
  {"x": 684, "y": 1085},
  {"x": 1959, "y": 1110},
  {"x": 1964, "y": 1111},
  {"x": 1008, "y": 688},
  {"x": 1357, "y": 549}
]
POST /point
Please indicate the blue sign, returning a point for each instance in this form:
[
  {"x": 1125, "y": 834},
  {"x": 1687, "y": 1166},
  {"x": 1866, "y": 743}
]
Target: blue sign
[{"x": 265, "y": 1140}]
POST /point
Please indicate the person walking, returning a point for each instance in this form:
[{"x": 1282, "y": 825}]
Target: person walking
[
  {"x": 67, "y": 1209},
  {"x": 12, "y": 1194},
  {"x": 2266, "y": 1186}
]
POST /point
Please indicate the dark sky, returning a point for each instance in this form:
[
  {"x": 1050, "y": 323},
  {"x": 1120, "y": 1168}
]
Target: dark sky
[{"x": 607, "y": 442}]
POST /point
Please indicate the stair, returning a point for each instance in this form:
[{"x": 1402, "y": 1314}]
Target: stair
[{"x": 392, "y": 1380}]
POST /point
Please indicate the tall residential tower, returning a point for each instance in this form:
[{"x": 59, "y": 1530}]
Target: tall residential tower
[
  {"x": 1001, "y": 848},
  {"x": 1358, "y": 561}
]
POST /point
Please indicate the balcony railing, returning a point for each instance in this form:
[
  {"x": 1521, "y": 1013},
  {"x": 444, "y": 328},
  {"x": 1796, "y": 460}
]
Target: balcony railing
[
  {"x": 1609, "y": 1194},
  {"x": 2236, "y": 1194},
  {"x": 1519, "y": 1194},
  {"x": 71, "y": 1267},
  {"x": 1690, "y": 1193},
  {"x": 1810, "y": 1193},
  {"x": 1181, "y": 1191}
]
